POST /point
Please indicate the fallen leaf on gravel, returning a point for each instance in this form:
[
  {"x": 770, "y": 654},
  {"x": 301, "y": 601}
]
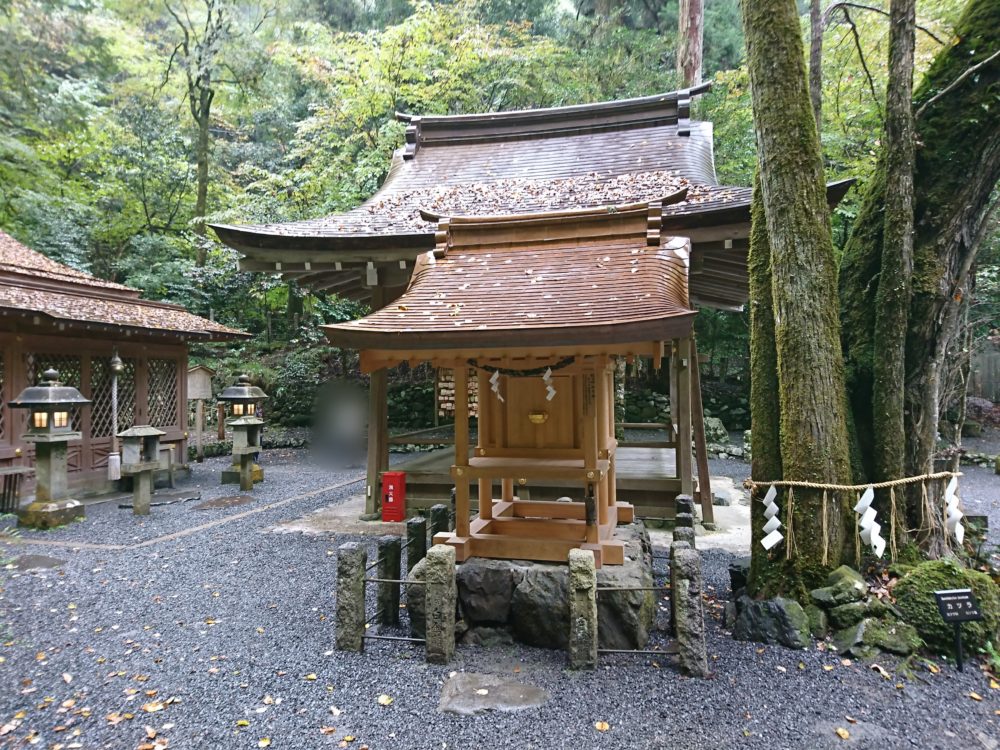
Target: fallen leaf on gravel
[
  {"x": 845, "y": 662},
  {"x": 482, "y": 691},
  {"x": 268, "y": 700},
  {"x": 899, "y": 686},
  {"x": 260, "y": 630},
  {"x": 385, "y": 700},
  {"x": 827, "y": 667},
  {"x": 994, "y": 685},
  {"x": 242, "y": 723},
  {"x": 264, "y": 742},
  {"x": 881, "y": 671},
  {"x": 150, "y": 732},
  {"x": 851, "y": 720},
  {"x": 760, "y": 650},
  {"x": 802, "y": 665},
  {"x": 975, "y": 696},
  {"x": 9, "y": 727},
  {"x": 602, "y": 726},
  {"x": 842, "y": 733},
  {"x": 152, "y": 707},
  {"x": 335, "y": 711},
  {"x": 67, "y": 677},
  {"x": 116, "y": 718},
  {"x": 311, "y": 676},
  {"x": 782, "y": 669},
  {"x": 933, "y": 668},
  {"x": 328, "y": 730}
]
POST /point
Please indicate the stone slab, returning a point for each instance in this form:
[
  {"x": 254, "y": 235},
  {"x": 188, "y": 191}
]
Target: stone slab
[
  {"x": 229, "y": 501},
  {"x": 468, "y": 694},
  {"x": 37, "y": 562}
]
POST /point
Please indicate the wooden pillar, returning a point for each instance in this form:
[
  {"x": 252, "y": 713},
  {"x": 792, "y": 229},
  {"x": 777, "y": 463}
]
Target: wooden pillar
[
  {"x": 461, "y": 451},
  {"x": 674, "y": 410},
  {"x": 590, "y": 410},
  {"x": 378, "y": 416},
  {"x": 485, "y": 425},
  {"x": 378, "y": 439},
  {"x": 603, "y": 394},
  {"x": 684, "y": 365},
  {"x": 700, "y": 449}
]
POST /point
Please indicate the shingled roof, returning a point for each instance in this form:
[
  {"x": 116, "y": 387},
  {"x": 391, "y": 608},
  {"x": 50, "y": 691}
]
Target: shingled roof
[
  {"x": 582, "y": 156},
  {"x": 597, "y": 277},
  {"x": 36, "y": 287}
]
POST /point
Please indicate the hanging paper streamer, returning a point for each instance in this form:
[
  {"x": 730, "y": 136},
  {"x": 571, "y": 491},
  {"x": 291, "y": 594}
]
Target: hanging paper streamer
[
  {"x": 550, "y": 392},
  {"x": 953, "y": 516},
  {"x": 495, "y": 385},
  {"x": 773, "y": 524},
  {"x": 870, "y": 529}
]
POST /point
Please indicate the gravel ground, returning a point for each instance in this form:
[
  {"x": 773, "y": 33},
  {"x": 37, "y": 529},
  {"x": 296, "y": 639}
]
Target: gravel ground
[{"x": 232, "y": 623}]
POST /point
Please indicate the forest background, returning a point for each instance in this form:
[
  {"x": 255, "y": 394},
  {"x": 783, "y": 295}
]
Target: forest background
[{"x": 108, "y": 129}]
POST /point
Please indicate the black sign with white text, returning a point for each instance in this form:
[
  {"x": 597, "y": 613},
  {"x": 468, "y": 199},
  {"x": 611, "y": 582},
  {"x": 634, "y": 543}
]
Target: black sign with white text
[{"x": 958, "y": 605}]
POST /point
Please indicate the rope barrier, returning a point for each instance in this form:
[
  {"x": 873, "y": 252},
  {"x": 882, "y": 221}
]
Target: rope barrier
[{"x": 928, "y": 521}]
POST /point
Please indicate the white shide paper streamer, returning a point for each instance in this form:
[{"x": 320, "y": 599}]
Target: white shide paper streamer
[{"x": 773, "y": 524}]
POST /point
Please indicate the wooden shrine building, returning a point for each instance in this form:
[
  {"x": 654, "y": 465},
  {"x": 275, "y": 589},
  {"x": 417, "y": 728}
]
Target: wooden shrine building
[
  {"x": 52, "y": 315},
  {"x": 508, "y": 163},
  {"x": 539, "y": 306}
]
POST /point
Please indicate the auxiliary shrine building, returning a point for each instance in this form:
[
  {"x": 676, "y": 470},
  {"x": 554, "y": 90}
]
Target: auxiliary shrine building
[{"x": 53, "y": 316}]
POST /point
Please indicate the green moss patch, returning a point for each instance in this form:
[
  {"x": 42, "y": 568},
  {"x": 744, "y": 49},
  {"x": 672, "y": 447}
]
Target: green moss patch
[{"x": 915, "y": 600}]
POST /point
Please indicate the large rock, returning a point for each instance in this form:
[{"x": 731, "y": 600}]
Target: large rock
[
  {"x": 854, "y": 612},
  {"x": 739, "y": 572},
  {"x": 539, "y": 611},
  {"x": 844, "y": 591},
  {"x": 485, "y": 589},
  {"x": 715, "y": 431},
  {"x": 819, "y": 624},
  {"x": 778, "y": 620},
  {"x": 865, "y": 639},
  {"x": 531, "y": 599},
  {"x": 625, "y": 617}
]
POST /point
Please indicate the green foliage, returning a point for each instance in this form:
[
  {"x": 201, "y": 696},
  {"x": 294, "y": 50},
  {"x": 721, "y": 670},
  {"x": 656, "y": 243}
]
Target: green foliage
[
  {"x": 915, "y": 600},
  {"x": 411, "y": 405}
]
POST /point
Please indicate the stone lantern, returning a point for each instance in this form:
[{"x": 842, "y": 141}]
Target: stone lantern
[
  {"x": 140, "y": 459},
  {"x": 247, "y": 426},
  {"x": 50, "y": 428}
]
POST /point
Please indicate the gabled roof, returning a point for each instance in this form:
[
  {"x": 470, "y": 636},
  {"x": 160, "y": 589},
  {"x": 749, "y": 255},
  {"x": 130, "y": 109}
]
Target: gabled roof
[
  {"x": 594, "y": 277},
  {"x": 554, "y": 159},
  {"x": 37, "y": 287}
]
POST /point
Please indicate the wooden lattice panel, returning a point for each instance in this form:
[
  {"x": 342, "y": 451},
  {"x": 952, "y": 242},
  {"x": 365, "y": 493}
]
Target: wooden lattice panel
[
  {"x": 162, "y": 392},
  {"x": 100, "y": 389},
  {"x": 70, "y": 373}
]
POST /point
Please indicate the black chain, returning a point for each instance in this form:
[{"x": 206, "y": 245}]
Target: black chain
[{"x": 564, "y": 362}]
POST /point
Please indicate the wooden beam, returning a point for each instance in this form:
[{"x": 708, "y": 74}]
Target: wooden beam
[
  {"x": 461, "y": 451},
  {"x": 684, "y": 366},
  {"x": 701, "y": 450},
  {"x": 378, "y": 430}
]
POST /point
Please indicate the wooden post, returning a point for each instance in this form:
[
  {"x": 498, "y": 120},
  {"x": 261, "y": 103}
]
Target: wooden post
[
  {"x": 461, "y": 451},
  {"x": 674, "y": 412},
  {"x": 377, "y": 438},
  {"x": 701, "y": 451},
  {"x": 590, "y": 410},
  {"x": 220, "y": 419},
  {"x": 684, "y": 365},
  {"x": 603, "y": 407},
  {"x": 199, "y": 427},
  {"x": 485, "y": 424}
]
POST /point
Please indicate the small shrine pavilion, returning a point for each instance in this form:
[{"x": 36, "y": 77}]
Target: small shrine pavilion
[
  {"x": 54, "y": 316},
  {"x": 498, "y": 164},
  {"x": 539, "y": 306}
]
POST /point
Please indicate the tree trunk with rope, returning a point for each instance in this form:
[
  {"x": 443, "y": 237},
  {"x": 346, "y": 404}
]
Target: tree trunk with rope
[
  {"x": 956, "y": 169},
  {"x": 812, "y": 410}
]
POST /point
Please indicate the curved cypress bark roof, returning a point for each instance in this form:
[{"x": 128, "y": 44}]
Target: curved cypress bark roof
[{"x": 560, "y": 158}]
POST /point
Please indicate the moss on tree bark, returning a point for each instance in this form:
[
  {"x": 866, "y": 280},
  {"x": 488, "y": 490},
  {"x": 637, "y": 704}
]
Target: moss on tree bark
[
  {"x": 812, "y": 408},
  {"x": 957, "y": 167}
]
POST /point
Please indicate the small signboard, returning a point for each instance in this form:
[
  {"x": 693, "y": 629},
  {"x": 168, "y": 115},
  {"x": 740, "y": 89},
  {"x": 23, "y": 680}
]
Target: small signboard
[{"x": 958, "y": 605}]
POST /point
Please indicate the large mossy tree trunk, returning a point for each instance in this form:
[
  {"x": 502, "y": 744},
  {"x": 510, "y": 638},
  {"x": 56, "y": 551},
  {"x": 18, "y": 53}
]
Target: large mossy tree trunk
[
  {"x": 892, "y": 297},
  {"x": 812, "y": 409},
  {"x": 956, "y": 169}
]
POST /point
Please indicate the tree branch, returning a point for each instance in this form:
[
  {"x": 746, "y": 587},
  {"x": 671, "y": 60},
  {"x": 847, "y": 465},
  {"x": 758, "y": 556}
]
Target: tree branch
[
  {"x": 861, "y": 58},
  {"x": 841, "y": 5},
  {"x": 956, "y": 83}
]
